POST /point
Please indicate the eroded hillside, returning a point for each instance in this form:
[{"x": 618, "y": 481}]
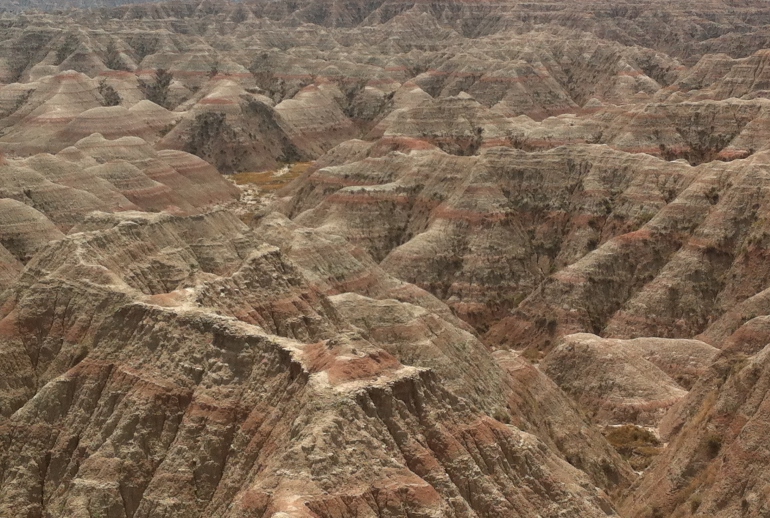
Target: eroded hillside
[{"x": 344, "y": 259}]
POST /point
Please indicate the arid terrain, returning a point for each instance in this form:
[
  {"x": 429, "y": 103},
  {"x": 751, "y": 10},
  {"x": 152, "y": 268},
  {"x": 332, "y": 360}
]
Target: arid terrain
[{"x": 380, "y": 259}]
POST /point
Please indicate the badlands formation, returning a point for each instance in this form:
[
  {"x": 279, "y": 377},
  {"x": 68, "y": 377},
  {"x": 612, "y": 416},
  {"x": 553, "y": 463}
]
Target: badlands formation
[{"x": 379, "y": 259}]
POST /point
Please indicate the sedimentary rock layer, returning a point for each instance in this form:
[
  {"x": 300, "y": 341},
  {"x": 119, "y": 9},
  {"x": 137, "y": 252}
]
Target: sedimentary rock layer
[{"x": 301, "y": 410}]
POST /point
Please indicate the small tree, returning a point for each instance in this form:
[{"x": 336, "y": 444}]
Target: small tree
[
  {"x": 112, "y": 57},
  {"x": 157, "y": 90},
  {"x": 67, "y": 47},
  {"x": 262, "y": 70},
  {"x": 476, "y": 140},
  {"x": 703, "y": 142},
  {"x": 144, "y": 45},
  {"x": 240, "y": 14},
  {"x": 214, "y": 70},
  {"x": 109, "y": 95},
  {"x": 518, "y": 140},
  {"x": 208, "y": 127}
]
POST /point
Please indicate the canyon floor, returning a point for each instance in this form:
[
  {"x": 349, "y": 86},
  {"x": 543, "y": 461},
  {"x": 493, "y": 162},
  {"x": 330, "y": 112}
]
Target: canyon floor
[{"x": 384, "y": 258}]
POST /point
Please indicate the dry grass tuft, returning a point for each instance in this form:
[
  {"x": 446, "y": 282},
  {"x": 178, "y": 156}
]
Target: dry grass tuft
[
  {"x": 635, "y": 444},
  {"x": 532, "y": 354},
  {"x": 271, "y": 181}
]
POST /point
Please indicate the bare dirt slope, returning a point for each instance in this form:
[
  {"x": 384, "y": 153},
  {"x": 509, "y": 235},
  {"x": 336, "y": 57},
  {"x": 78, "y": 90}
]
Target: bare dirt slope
[{"x": 477, "y": 259}]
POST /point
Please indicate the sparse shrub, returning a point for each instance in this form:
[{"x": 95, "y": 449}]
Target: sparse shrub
[
  {"x": 352, "y": 90},
  {"x": 713, "y": 444},
  {"x": 144, "y": 45},
  {"x": 166, "y": 129},
  {"x": 596, "y": 138},
  {"x": 669, "y": 194},
  {"x": 267, "y": 182},
  {"x": 695, "y": 503},
  {"x": 25, "y": 51},
  {"x": 109, "y": 96},
  {"x": 517, "y": 297},
  {"x": 214, "y": 70},
  {"x": 635, "y": 444},
  {"x": 157, "y": 90},
  {"x": 618, "y": 10},
  {"x": 69, "y": 46},
  {"x": 262, "y": 70},
  {"x": 712, "y": 195},
  {"x": 738, "y": 363},
  {"x": 518, "y": 140},
  {"x": 240, "y": 14},
  {"x": 630, "y": 435},
  {"x": 21, "y": 101},
  {"x": 209, "y": 130},
  {"x": 531, "y": 354},
  {"x": 703, "y": 142},
  {"x": 646, "y": 215},
  {"x": 502, "y": 416},
  {"x": 112, "y": 57},
  {"x": 18, "y": 63},
  {"x": 476, "y": 140},
  {"x": 551, "y": 325}
]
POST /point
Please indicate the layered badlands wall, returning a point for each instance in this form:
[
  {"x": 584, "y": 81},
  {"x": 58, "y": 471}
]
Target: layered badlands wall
[
  {"x": 581, "y": 186},
  {"x": 172, "y": 368}
]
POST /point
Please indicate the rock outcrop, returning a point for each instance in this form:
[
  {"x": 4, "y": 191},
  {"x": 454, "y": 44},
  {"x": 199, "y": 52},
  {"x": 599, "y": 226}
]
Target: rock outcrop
[
  {"x": 626, "y": 381},
  {"x": 713, "y": 464},
  {"x": 144, "y": 326},
  {"x": 45, "y": 196}
]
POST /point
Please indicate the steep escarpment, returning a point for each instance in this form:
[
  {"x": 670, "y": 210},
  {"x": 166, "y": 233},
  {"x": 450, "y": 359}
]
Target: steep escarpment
[
  {"x": 124, "y": 346},
  {"x": 482, "y": 232},
  {"x": 713, "y": 465},
  {"x": 528, "y": 246}
]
